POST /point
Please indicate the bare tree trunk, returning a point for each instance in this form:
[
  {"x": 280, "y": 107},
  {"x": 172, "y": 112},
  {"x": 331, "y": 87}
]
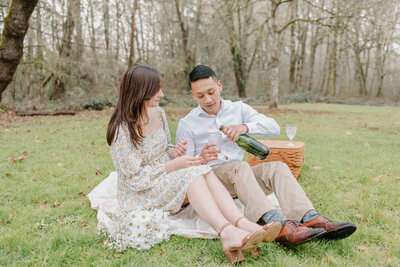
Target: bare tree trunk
[
  {"x": 379, "y": 64},
  {"x": 274, "y": 70},
  {"x": 185, "y": 39},
  {"x": 54, "y": 26},
  {"x": 275, "y": 60},
  {"x": 92, "y": 30},
  {"x": 68, "y": 29},
  {"x": 300, "y": 62},
  {"x": 141, "y": 49},
  {"x": 314, "y": 45},
  {"x": 237, "y": 58},
  {"x": 132, "y": 38},
  {"x": 12, "y": 39},
  {"x": 196, "y": 34},
  {"x": 293, "y": 53},
  {"x": 76, "y": 12},
  {"x": 39, "y": 39},
  {"x": 118, "y": 18},
  {"x": 334, "y": 58},
  {"x": 325, "y": 73},
  {"x": 106, "y": 21}
]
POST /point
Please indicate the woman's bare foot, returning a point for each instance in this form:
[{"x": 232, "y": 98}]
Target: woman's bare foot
[
  {"x": 232, "y": 237},
  {"x": 248, "y": 226}
]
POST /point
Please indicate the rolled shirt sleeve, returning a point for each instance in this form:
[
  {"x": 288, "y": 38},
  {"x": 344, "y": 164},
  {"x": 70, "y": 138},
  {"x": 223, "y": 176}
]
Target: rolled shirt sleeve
[{"x": 259, "y": 124}]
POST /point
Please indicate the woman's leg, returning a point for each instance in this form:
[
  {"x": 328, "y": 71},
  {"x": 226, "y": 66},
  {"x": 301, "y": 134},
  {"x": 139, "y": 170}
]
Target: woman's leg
[
  {"x": 226, "y": 204},
  {"x": 204, "y": 204}
]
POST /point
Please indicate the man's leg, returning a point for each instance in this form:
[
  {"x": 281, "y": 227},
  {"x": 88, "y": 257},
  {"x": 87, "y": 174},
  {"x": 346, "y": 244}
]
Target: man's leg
[
  {"x": 239, "y": 180},
  {"x": 276, "y": 177}
]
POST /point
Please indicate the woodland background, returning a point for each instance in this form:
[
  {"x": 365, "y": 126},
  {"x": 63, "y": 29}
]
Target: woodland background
[{"x": 264, "y": 51}]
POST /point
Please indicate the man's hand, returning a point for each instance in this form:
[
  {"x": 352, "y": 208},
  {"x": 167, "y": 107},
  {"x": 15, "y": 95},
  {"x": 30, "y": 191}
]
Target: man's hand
[
  {"x": 209, "y": 153},
  {"x": 233, "y": 131}
]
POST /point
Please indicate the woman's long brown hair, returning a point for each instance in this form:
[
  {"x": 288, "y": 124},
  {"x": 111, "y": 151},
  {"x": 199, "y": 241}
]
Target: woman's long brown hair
[{"x": 139, "y": 83}]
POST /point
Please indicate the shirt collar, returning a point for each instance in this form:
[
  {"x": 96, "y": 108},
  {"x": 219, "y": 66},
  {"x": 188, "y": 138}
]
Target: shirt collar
[{"x": 199, "y": 111}]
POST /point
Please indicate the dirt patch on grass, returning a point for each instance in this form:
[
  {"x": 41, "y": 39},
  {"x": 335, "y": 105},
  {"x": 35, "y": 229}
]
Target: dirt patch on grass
[{"x": 9, "y": 117}]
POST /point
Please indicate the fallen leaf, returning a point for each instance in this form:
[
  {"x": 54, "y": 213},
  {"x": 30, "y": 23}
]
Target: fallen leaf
[
  {"x": 83, "y": 224},
  {"x": 105, "y": 243},
  {"x": 81, "y": 193},
  {"x": 82, "y": 178},
  {"x": 25, "y": 153},
  {"x": 43, "y": 205},
  {"x": 374, "y": 128},
  {"x": 98, "y": 171},
  {"x": 366, "y": 145},
  {"x": 255, "y": 252},
  {"x": 116, "y": 255},
  {"x": 362, "y": 248},
  {"x": 377, "y": 178},
  {"x": 8, "y": 174},
  {"x": 66, "y": 147},
  {"x": 361, "y": 217},
  {"x": 348, "y": 133},
  {"x": 388, "y": 261},
  {"x": 56, "y": 203},
  {"x": 317, "y": 168},
  {"x": 398, "y": 178},
  {"x": 13, "y": 160}
]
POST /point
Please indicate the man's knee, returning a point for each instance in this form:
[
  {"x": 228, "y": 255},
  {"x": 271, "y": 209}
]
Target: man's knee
[
  {"x": 282, "y": 170},
  {"x": 242, "y": 166}
]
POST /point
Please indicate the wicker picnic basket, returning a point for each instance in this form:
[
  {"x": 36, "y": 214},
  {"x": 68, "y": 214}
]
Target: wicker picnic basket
[{"x": 293, "y": 156}]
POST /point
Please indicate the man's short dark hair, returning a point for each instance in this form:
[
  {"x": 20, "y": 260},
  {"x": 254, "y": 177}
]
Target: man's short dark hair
[{"x": 201, "y": 72}]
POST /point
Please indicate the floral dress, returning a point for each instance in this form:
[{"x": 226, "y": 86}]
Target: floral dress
[{"x": 144, "y": 186}]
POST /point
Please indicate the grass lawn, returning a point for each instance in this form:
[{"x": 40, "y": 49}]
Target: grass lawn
[{"x": 49, "y": 164}]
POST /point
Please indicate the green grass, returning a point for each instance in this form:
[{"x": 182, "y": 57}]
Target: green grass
[{"x": 66, "y": 157}]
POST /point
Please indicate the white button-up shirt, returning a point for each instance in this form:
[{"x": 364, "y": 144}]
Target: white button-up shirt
[{"x": 197, "y": 125}]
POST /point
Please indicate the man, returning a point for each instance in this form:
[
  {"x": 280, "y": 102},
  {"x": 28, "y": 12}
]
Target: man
[{"x": 300, "y": 221}]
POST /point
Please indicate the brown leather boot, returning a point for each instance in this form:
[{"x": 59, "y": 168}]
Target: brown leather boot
[
  {"x": 295, "y": 233},
  {"x": 333, "y": 230}
]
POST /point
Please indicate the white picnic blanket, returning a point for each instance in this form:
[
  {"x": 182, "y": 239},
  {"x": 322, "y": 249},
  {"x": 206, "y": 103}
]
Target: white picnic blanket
[{"x": 187, "y": 222}]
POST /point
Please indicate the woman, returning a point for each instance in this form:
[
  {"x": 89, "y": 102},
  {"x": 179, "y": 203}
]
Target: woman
[{"x": 152, "y": 174}]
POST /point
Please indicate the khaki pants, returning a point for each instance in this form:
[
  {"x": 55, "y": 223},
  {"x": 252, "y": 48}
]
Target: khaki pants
[{"x": 252, "y": 185}]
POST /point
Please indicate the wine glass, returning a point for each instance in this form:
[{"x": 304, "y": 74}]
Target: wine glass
[
  {"x": 291, "y": 132},
  {"x": 215, "y": 138}
]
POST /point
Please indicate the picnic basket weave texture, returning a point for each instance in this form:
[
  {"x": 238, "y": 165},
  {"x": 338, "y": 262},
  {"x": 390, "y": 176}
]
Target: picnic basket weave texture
[{"x": 293, "y": 156}]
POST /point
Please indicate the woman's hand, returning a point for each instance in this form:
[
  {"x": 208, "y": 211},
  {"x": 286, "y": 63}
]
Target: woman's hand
[
  {"x": 179, "y": 150},
  {"x": 182, "y": 162}
]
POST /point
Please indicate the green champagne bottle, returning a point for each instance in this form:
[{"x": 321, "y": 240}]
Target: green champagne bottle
[{"x": 251, "y": 145}]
